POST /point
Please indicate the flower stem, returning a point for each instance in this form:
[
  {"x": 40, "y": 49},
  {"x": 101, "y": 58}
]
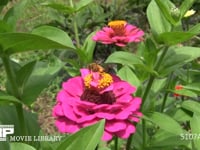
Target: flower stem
[
  {"x": 75, "y": 26},
  {"x": 116, "y": 143},
  {"x": 14, "y": 89},
  {"x": 166, "y": 93},
  {"x": 76, "y": 32},
  {"x": 128, "y": 144},
  {"x": 145, "y": 95}
]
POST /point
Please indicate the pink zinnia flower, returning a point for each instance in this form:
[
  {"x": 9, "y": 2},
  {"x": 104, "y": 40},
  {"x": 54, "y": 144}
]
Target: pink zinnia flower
[
  {"x": 120, "y": 33},
  {"x": 86, "y": 99}
]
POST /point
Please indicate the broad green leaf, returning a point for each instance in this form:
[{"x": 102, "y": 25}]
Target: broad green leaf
[
  {"x": 20, "y": 146},
  {"x": 60, "y": 7},
  {"x": 124, "y": 58},
  {"x": 172, "y": 38},
  {"x": 158, "y": 85},
  {"x": 4, "y": 27},
  {"x": 89, "y": 47},
  {"x": 195, "y": 29},
  {"x": 185, "y": 92},
  {"x": 185, "y": 6},
  {"x": 5, "y": 98},
  {"x": 148, "y": 51},
  {"x": 166, "y": 123},
  {"x": 193, "y": 87},
  {"x": 192, "y": 106},
  {"x": 125, "y": 73},
  {"x": 21, "y": 42},
  {"x": 39, "y": 79},
  {"x": 195, "y": 127},
  {"x": 163, "y": 139},
  {"x": 181, "y": 116},
  {"x": 14, "y": 13},
  {"x": 157, "y": 21},
  {"x": 4, "y": 145},
  {"x": 86, "y": 139},
  {"x": 166, "y": 7},
  {"x": 54, "y": 34},
  {"x": 177, "y": 57},
  {"x": 82, "y": 3},
  {"x": 23, "y": 74}
]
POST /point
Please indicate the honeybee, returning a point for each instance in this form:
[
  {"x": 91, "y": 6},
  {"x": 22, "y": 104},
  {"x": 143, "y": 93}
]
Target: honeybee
[{"x": 95, "y": 68}]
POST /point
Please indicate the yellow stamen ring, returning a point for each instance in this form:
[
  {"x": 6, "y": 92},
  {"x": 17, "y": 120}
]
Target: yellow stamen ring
[
  {"x": 104, "y": 81},
  {"x": 118, "y": 26}
]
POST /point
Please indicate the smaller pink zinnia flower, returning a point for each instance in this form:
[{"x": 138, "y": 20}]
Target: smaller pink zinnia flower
[{"x": 120, "y": 33}]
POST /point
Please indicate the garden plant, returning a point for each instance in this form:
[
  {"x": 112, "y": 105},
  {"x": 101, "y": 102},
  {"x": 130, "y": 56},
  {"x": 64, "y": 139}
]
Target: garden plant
[{"x": 113, "y": 74}]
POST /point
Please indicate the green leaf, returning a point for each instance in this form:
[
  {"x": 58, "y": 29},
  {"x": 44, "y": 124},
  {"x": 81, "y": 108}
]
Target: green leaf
[
  {"x": 89, "y": 47},
  {"x": 166, "y": 123},
  {"x": 172, "y": 38},
  {"x": 60, "y": 7},
  {"x": 148, "y": 51},
  {"x": 4, "y": 27},
  {"x": 5, "y": 98},
  {"x": 23, "y": 74},
  {"x": 14, "y": 13},
  {"x": 157, "y": 21},
  {"x": 4, "y": 145},
  {"x": 20, "y": 146},
  {"x": 163, "y": 139},
  {"x": 195, "y": 127},
  {"x": 92, "y": 135},
  {"x": 185, "y": 92},
  {"x": 81, "y": 4},
  {"x": 124, "y": 58},
  {"x": 181, "y": 116},
  {"x": 21, "y": 42},
  {"x": 192, "y": 106},
  {"x": 185, "y": 6},
  {"x": 54, "y": 34},
  {"x": 166, "y": 7},
  {"x": 193, "y": 87},
  {"x": 195, "y": 29},
  {"x": 125, "y": 73},
  {"x": 177, "y": 57},
  {"x": 39, "y": 79}
]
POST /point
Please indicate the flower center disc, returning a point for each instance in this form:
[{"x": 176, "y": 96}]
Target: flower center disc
[
  {"x": 118, "y": 26},
  {"x": 97, "y": 80}
]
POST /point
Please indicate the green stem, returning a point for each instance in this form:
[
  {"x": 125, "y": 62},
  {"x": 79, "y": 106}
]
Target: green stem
[
  {"x": 128, "y": 144},
  {"x": 166, "y": 93},
  {"x": 14, "y": 89},
  {"x": 75, "y": 26},
  {"x": 76, "y": 32},
  {"x": 145, "y": 95},
  {"x": 116, "y": 143}
]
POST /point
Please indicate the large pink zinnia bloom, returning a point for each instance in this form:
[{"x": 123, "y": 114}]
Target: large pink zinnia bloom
[
  {"x": 86, "y": 99},
  {"x": 119, "y": 33}
]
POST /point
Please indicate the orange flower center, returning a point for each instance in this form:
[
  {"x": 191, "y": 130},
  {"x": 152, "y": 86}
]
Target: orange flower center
[
  {"x": 102, "y": 82},
  {"x": 118, "y": 26}
]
